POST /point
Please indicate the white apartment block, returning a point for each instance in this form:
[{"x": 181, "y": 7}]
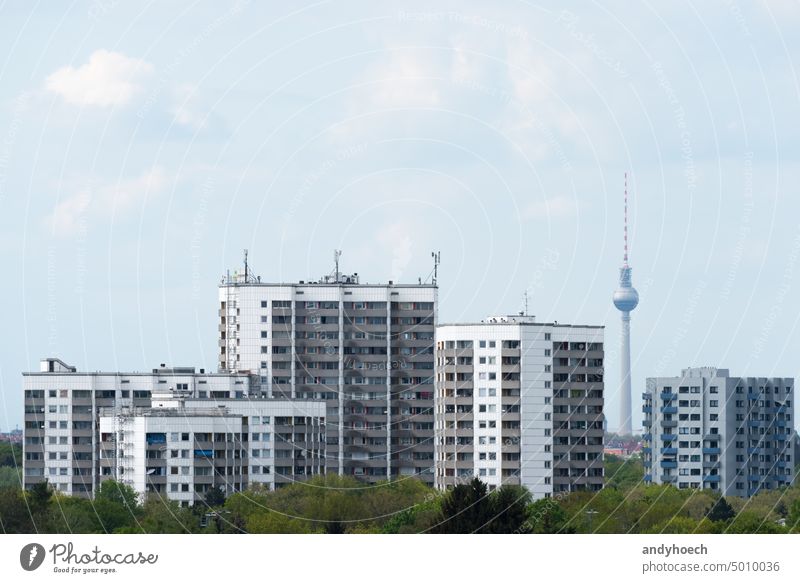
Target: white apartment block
[
  {"x": 64, "y": 409},
  {"x": 706, "y": 429},
  {"x": 518, "y": 402},
  {"x": 182, "y": 447},
  {"x": 365, "y": 349}
]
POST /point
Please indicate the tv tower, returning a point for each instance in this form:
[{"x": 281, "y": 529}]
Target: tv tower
[{"x": 626, "y": 298}]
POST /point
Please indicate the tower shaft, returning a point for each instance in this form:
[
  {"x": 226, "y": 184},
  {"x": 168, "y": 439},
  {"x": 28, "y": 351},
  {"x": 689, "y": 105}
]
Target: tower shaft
[{"x": 625, "y": 412}]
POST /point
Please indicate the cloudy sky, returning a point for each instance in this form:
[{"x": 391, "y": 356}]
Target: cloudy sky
[{"x": 143, "y": 146}]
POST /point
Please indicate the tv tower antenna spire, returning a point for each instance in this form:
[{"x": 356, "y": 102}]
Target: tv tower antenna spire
[
  {"x": 625, "y": 232},
  {"x": 626, "y": 298}
]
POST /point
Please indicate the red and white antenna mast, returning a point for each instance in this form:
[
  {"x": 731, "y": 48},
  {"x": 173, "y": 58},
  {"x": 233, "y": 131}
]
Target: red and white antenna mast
[{"x": 625, "y": 228}]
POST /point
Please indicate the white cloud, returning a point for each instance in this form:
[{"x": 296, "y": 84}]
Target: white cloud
[
  {"x": 108, "y": 79},
  {"x": 550, "y": 208},
  {"x": 69, "y": 214},
  {"x": 398, "y": 240},
  {"x": 407, "y": 79},
  {"x": 73, "y": 213}
]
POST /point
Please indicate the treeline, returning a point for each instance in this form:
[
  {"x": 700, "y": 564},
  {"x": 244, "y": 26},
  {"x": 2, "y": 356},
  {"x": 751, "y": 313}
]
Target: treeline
[
  {"x": 334, "y": 504},
  {"x": 10, "y": 465}
]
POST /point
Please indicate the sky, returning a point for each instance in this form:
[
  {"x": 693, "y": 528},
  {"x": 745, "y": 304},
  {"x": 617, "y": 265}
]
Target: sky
[{"x": 144, "y": 146}]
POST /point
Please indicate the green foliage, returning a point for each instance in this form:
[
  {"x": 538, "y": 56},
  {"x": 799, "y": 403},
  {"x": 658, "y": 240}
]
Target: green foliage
[
  {"x": 10, "y": 477},
  {"x": 471, "y": 508},
  {"x": 162, "y": 516},
  {"x": 749, "y": 522},
  {"x": 329, "y": 504},
  {"x": 508, "y": 507},
  {"x": 15, "y": 516},
  {"x": 10, "y": 455},
  {"x": 721, "y": 511},
  {"x": 793, "y": 521},
  {"x": 623, "y": 474},
  {"x": 546, "y": 516},
  {"x": 215, "y": 497},
  {"x": 465, "y": 509}
]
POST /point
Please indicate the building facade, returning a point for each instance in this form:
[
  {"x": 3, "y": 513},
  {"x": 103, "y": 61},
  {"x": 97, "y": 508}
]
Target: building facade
[
  {"x": 518, "y": 402},
  {"x": 181, "y": 447},
  {"x": 64, "y": 409},
  {"x": 365, "y": 349},
  {"x": 706, "y": 429}
]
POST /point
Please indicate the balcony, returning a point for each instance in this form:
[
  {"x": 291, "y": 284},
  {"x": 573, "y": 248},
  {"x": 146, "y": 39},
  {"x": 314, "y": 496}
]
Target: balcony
[
  {"x": 647, "y": 437},
  {"x": 669, "y": 450},
  {"x": 668, "y": 478},
  {"x": 711, "y": 478},
  {"x": 712, "y": 437},
  {"x": 647, "y": 423},
  {"x": 753, "y": 450},
  {"x": 669, "y": 423},
  {"x": 670, "y": 410},
  {"x": 668, "y": 437},
  {"x": 668, "y": 396},
  {"x": 648, "y": 478},
  {"x": 647, "y": 409},
  {"x": 668, "y": 464},
  {"x": 711, "y": 450}
]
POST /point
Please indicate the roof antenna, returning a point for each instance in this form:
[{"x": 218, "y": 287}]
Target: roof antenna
[
  {"x": 525, "y": 301},
  {"x": 337, "y": 253},
  {"x": 245, "y": 265},
  {"x": 437, "y": 259}
]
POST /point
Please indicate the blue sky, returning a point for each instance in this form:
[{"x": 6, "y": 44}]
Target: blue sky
[{"x": 144, "y": 145}]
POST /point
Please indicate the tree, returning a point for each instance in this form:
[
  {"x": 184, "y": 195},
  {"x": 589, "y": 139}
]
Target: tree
[
  {"x": 215, "y": 497},
  {"x": 465, "y": 509},
  {"x": 10, "y": 455},
  {"x": 162, "y": 516},
  {"x": 623, "y": 474},
  {"x": 117, "y": 506},
  {"x": 793, "y": 521},
  {"x": 508, "y": 507},
  {"x": 748, "y": 522},
  {"x": 70, "y": 514},
  {"x": 721, "y": 511},
  {"x": 546, "y": 516},
  {"x": 10, "y": 477},
  {"x": 15, "y": 516}
]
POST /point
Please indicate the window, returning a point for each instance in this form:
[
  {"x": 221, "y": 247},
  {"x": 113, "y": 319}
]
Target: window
[
  {"x": 713, "y": 403},
  {"x": 713, "y": 390}
]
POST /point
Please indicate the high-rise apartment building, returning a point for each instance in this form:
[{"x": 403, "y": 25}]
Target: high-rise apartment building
[
  {"x": 365, "y": 349},
  {"x": 64, "y": 444},
  {"x": 519, "y": 402},
  {"x": 706, "y": 429}
]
